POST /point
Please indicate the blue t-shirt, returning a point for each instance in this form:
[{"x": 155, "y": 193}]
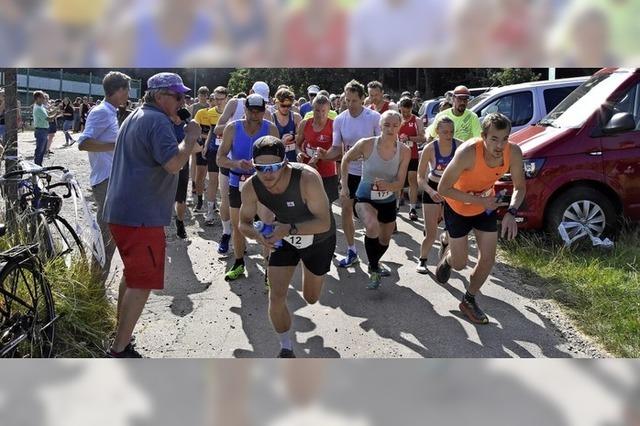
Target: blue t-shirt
[
  {"x": 141, "y": 192},
  {"x": 305, "y": 108}
]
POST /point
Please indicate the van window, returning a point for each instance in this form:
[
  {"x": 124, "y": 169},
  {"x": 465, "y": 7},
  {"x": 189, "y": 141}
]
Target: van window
[
  {"x": 630, "y": 102},
  {"x": 517, "y": 106},
  {"x": 555, "y": 95}
]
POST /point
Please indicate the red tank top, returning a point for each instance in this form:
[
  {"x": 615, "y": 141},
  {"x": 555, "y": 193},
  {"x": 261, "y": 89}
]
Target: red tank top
[
  {"x": 322, "y": 139},
  {"x": 385, "y": 106},
  {"x": 410, "y": 128}
]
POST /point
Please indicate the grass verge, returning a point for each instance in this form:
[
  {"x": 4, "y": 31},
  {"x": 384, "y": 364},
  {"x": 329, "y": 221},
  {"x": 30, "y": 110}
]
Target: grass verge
[
  {"x": 87, "y": 317},
  {"x": 599, "y": 289}
]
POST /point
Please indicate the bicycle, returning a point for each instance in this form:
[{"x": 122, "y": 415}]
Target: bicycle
[
  {"x": 38, "y": 209},
  {"x": 27, "y": 312}
]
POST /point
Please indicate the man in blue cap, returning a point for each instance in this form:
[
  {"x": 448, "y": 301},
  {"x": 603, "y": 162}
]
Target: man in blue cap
[{"x": 140, "y": 197}]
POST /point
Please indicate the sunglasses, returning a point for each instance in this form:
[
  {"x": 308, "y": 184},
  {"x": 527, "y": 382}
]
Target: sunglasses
[
  {"x": 217, "y": 99},
  {"x": 285, "y": 105},
  {"x": 177, "y": 96},
  {"x": 269, "y": 168}
]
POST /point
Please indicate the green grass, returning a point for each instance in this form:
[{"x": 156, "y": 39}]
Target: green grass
[
  {"x": 87, "y": 317},
  {"x": 600, "y": 289}
]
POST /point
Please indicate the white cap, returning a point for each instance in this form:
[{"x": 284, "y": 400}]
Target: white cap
[
  {"x": 313, "y": 89},
  {"x": 262, "y": 89}
]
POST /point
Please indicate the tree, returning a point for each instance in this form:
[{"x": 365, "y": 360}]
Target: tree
[{"x": 508, "y": 76}]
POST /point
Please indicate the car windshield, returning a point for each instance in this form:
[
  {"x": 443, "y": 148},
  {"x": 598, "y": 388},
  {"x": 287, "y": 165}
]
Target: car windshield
[
  {"x": 576, "y": 108},
  {"x": 477, "y": 100}
]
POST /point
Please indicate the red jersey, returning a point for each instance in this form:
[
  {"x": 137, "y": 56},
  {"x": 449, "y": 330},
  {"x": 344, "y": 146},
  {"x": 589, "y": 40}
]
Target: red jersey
[
  {"x": 322, "y": 139},
  {"x": 385, "y": 106},
  {"x": 410, "y": 128}
]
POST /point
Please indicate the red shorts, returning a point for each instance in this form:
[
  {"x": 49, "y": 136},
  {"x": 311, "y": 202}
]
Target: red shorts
[{"x": 143, "y": 252}]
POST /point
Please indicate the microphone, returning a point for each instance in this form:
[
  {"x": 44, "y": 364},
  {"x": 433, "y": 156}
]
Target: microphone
[{"x": 184, "y": 115}]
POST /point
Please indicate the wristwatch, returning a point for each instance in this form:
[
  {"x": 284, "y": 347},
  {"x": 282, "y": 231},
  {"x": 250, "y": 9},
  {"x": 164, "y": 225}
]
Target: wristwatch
[
  {"x": 513, "y": 211},
  {"x": 292, "y": 229}
]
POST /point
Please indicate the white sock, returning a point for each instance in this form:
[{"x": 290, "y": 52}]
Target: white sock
[
  {"x": 412, "y": 206},
  {"x": 285, "y": 341},
  {"x": 353, "y": 248},
  {"x": 226, "y": 227},
  {"x": 210, "y": 205}
]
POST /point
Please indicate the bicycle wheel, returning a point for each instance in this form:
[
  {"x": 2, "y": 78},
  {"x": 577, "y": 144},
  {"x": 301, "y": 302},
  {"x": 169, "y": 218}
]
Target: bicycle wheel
[
  {"x": 65, "y": 241},
  {"x": 26, "y": 312}
]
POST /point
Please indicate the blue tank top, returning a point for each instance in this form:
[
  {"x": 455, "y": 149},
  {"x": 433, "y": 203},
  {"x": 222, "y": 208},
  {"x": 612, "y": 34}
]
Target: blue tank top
[
  {"x": 153, "y": 52},
  {"x": 241, "y": 149},
  {"x": 290, "y": 127},
  {"x": 442, "y": 162}
]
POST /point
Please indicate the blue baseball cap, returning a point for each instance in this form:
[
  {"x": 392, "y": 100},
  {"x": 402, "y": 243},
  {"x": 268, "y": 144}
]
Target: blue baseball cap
[{"x": 167, "y": 80}]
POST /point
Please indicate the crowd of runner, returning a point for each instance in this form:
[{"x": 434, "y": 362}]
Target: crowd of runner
[{"x": 272, "y": 166}]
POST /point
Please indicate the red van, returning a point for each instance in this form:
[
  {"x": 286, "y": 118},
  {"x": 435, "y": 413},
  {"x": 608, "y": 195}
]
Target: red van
[{"x": 582, "y": 161}]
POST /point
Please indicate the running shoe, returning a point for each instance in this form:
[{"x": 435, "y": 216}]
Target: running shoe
[
  {"x": 384, "y": 272},
  {"x": 223, "y": 247},
  {"x": 473, "y": 311},
  {"x": 443, "y": 270},
  {"x": 234, "y": 273},
  {"x": 349, "y": 260},
  {"x": 286, "y": 353},
  {"x": 422, "y": 267},
  {"x": 128, "y": 352},
  {"x": 208, "y": 218},
  {"x": 374, "y": 281},
  {"x": 413, "y": 215}
]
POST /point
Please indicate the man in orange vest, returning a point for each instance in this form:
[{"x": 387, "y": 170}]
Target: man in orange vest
[{"x": 471, "y": 203}]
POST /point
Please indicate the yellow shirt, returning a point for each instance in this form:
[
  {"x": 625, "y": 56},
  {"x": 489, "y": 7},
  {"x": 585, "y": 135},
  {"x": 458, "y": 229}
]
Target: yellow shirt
[{"x": 332, "y": 115}]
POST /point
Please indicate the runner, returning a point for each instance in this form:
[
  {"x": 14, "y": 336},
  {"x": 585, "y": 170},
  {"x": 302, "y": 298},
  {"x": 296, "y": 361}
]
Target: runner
[
  {"x": 412, "y": 134},
  {"x": 286, "y": 121},
  {"x": 203, "y": 118},
  {"x": 219, "y": 99},
  {"x": 466, "y": 122},
  {"x": 312, "y": 91},
  {"x": 314, "y": 133},
  {"x": 435, "y": 157},
  {"x": 384, "y": 170},
  {"x": 196, "y": 158},
  {"x": 304, "y": 229},
  {"x": 376, "y": 94},
  {"x": 467, "y": 186},
  {"x": 237, "y": 139},
  {"x": 353, "y": 124},
  {"x": 233, "y": 110}
]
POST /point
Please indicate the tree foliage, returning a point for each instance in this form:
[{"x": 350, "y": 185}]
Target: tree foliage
[{"x": 508, "y": 76}]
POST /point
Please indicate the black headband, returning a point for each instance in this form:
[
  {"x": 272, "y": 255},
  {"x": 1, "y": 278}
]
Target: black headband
[{"x": 268, "y": 145}]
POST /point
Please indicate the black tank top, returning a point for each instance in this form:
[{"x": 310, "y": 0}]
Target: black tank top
[{"x": 289, "y": 206}]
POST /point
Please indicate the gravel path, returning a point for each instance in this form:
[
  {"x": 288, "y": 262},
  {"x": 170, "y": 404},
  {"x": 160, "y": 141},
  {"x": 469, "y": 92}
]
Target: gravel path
[{"x": 198, "y": 314}]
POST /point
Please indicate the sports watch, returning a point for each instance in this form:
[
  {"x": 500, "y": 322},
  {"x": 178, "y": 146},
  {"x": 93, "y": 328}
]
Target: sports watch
[{"x": 513, "y": 211}]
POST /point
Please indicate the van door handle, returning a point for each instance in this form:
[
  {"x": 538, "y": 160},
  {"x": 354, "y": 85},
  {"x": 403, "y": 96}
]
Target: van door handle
[{"x": 595, "y": 153}]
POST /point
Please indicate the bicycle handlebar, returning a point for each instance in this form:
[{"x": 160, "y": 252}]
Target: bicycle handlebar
[
  {"x": 65, "y": 184},
  {"x": 40, "y": 170}
]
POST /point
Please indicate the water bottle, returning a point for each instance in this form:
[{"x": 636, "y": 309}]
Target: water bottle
[
  {"x": 266, "y": 230},
  {"x": 499, "y": 196}
]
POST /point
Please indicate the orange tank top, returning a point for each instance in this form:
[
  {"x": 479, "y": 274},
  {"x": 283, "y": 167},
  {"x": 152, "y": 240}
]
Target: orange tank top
[{"x": 479, "y": 180}]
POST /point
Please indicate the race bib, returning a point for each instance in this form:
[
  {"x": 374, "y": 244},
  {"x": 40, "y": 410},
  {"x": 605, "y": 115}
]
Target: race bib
[
  {"x": 241, "y": 181},
  {"x": 218, "y": 141},
  {"x": 379, "y": 195},
  {"x": 299, "y": 241},
  {"x": 290, "y": 147},
  {"x": 488, "y": 193},
  {"x": 311, "y": 152}
]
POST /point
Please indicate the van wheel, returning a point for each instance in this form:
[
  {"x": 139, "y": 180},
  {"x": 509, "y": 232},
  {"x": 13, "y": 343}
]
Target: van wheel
[{"x": 582, "y": 208}]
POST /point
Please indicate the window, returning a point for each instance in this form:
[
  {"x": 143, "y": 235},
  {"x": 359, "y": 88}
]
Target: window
[
  {"x": 552, "y": 97},
  {"x": 630, "y": 103},
  {"x": 517, "y": 106}
]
